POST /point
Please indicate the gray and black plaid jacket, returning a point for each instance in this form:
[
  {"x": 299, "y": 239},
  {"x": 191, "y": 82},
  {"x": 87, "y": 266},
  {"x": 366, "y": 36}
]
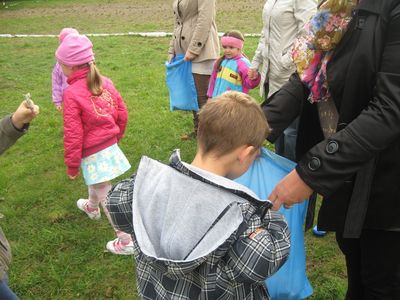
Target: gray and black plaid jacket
[{"x": 235, "y": 269}]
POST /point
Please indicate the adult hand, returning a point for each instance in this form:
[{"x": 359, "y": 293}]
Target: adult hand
[
  {"x": 189, "y": 56},
  {"x": 290, "y": 190},
  {"x": 252, "y": 74},
  {"x": 24, "y": 114},
  {"x": 170, "y": 57}
]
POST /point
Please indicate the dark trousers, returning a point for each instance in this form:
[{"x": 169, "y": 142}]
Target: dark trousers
[
  {"x": 201, "y": 83},
  {"x": 5, "y": 292},
  {"x": 373, "y": 265},
  {"x": 285, "y": 144}
]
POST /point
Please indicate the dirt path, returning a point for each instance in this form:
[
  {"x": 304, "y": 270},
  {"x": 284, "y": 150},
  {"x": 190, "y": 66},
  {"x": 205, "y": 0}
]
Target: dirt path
[{"x": 122, "y": 15}]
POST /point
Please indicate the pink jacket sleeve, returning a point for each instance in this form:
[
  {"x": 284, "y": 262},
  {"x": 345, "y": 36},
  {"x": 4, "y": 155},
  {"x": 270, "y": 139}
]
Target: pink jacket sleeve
[
  {"x": 73, "y": 134},
  {"x": 247, "y": 83},
  {"x": 211, "y": 85},
  {"x": 122, "y": 117},
  {"x": 57, "y": 85}
]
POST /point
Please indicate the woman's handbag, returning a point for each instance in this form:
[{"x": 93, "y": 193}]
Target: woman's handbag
[
  {"x": 290, "y": 282},
  {"x": 180, "y": 83}
]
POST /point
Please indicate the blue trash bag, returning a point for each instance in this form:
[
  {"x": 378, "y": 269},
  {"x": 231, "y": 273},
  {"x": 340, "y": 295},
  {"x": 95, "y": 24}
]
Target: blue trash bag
[
  {"x": 290, "y": 282},
  {"x": 180, "y": 83}
]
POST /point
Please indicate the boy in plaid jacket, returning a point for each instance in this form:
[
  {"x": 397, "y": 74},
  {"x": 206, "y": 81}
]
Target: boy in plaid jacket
[{"x": 197, "y": 234}]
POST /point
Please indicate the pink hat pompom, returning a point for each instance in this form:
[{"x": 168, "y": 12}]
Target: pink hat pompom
[
  {"x": 75, "y": 50},
  {"x": 66, "y": 31}
]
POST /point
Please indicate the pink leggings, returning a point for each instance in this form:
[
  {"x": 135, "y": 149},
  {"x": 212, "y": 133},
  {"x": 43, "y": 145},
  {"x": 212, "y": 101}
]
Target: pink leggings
[{"x": 98, "y": 194}]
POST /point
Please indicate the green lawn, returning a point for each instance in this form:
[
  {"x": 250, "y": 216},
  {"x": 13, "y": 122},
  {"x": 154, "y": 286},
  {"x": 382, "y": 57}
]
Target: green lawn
[{"x": 58, "y": 251}]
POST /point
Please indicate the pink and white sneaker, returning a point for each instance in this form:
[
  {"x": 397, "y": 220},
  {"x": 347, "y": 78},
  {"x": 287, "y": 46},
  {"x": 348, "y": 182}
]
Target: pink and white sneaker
[
  {"x": 117, "y": 247},
  {"x": 93, "y": 213}
]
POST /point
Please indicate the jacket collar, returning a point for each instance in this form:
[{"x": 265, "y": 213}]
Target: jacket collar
[
  {"x": 217, "y": 181},
  {"x": 382, "y": 8},
  {"x": 237, "y": 57},
  {"x": 78, "y": 74}
]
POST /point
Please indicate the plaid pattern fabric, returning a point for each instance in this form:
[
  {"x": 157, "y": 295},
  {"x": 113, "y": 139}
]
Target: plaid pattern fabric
[{"x": 235, "y": 270}]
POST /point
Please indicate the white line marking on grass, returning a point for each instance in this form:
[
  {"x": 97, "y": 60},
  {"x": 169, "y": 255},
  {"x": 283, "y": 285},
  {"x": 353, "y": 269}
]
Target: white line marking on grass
[{"x": 142, "y": 34}]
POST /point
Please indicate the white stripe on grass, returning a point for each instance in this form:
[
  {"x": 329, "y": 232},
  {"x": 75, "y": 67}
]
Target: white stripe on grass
[{"x": 142, "y": 34}]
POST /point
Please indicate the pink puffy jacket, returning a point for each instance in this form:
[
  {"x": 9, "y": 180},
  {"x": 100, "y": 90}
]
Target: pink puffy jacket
[{"x": 91, "y": 123}]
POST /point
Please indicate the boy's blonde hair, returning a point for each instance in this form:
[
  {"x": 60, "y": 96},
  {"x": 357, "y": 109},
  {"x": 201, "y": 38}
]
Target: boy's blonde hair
[{"x": 229, "y": 121}]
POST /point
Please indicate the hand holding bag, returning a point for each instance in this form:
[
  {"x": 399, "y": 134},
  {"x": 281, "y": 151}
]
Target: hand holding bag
[
  {"x": 180, "y": 83},
  {"x": 290, "y": 282}
]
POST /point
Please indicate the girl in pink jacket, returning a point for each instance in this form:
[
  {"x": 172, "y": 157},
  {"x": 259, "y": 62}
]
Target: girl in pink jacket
[{"x": 95, "y": 117}]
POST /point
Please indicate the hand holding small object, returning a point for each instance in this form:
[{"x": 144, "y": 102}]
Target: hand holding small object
[
  {"x": 28, "y": 101},
  {"x": 25, "y": 113}
]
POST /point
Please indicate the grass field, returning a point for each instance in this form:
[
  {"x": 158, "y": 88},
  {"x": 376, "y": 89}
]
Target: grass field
[{"x": 58, "y": 251}]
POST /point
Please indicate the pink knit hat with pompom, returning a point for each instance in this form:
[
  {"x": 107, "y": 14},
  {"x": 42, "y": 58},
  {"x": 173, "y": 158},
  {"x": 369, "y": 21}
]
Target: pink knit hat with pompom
[
  {"x": 75, "y": 50},
  {"x": 65, "y": 31}
]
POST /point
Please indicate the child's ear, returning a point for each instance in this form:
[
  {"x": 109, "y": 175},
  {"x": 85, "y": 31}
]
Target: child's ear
[{"x": 245, "y": 152}]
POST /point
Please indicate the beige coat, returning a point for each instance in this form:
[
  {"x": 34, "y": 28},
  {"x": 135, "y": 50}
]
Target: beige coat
[
  {"x": 195, "y": 29},
  {"x": 282, "y": 20}
]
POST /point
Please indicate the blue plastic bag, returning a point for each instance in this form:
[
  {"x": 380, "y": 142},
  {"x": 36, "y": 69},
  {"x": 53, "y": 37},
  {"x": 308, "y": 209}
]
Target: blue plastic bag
[
  {"x": 180, "y": 83},
  {"x": 290, "y": 282}
]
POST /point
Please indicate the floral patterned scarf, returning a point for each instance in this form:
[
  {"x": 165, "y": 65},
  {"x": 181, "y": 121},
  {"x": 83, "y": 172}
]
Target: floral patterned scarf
[{"x": 314, "y": 46}]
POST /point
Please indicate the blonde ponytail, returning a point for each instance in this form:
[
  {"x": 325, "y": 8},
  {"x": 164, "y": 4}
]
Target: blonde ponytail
[{"x": 94, "y": 81}]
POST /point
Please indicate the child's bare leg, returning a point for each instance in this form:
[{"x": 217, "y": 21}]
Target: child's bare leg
[
  {"x": 94, "y": 200},
  {"x": 102, "y": 190}
]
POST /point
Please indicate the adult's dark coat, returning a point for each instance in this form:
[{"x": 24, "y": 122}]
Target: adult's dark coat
[
  {"x": 357, "y": 170},
  {"x": 8, "y": 136}
]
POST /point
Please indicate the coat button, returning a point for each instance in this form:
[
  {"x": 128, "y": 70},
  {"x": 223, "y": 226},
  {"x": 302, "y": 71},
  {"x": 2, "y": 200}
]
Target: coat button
[
  {"x": 199, "y": 44},
  {"x": 332, "y": 147},
  {"x": 314, "y": 163},
  {"x": 182, "y": 37},
  {"x": 179, "y": 23}
]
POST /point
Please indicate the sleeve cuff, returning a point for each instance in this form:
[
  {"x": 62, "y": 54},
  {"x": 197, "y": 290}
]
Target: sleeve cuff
[
  {"x": 73, "y": 171},
  {"x": 10, "y": 128}
]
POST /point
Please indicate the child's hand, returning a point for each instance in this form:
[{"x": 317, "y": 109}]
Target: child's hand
[
  {"x": 252, "y": 73},
  {"x": 72, "y": 172},
  {"x": 73, "y": 177},
  {"x": 59, "y": 108}
]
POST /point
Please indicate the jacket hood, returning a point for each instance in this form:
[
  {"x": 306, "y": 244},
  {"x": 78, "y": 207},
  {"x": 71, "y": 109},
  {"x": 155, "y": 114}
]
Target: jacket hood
[{"x": 181, "y": 214}]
